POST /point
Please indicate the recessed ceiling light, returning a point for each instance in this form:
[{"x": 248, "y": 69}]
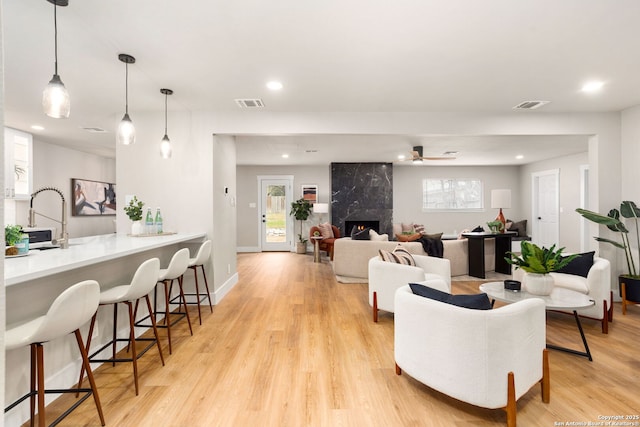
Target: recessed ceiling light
[
  {"x": 274, "y": 85},
  {"x": 519, "y": 157},
  {"x": 593, "y": 86},
  {"x": 285, "y": 156},
  {"x": 37, "y": 127}
]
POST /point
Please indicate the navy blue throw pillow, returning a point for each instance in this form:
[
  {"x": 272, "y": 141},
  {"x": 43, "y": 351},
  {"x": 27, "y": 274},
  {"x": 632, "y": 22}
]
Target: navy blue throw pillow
[
  {"x": 475, "y": 301},
  {"x": 580, "y": 265}
]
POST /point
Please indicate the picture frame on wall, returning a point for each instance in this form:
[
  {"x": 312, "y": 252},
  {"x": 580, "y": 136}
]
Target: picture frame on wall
[
  {"x": 310, "y": 193},
  {"x": 92, "y": 198}
]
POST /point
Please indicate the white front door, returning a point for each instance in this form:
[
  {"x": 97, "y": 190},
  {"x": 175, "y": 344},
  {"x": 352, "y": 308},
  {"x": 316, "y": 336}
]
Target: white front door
[
  {"x": 545, "y": 203},
  {"x": 275, "y": 222}
]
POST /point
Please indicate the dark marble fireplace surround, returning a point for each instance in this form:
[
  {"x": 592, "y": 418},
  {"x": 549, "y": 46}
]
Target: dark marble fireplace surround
[{"x": 362, "y": 192}]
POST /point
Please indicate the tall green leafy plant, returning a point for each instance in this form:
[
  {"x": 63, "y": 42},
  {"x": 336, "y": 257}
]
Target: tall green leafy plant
[
  {"x": 613, "y": 222},
  {"x": 300, "y": 210}
]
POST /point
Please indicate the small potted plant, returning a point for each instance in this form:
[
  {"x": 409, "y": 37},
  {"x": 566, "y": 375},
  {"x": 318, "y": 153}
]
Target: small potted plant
[
  {"x": 300, "y": 210},
  {"x": 134, "y": 212},
  {"x": 496, "y": 226},
  {"x": 538, "y": 262},
  {"x": 12, "y": 235},
  {"x": 629, "y": 282}
]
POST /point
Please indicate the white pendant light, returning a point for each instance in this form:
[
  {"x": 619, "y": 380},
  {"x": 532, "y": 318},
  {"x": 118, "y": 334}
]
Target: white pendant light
[
  {"x": 55, "y": 98},
  {"x": 126, "y": 130},
  {"x": 165, "y": 144}
]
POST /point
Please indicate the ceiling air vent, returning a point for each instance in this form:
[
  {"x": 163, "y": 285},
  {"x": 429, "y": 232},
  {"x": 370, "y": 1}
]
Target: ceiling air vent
[
  {"x": 250, "y": 103},
  {"x": 530, "y": 105},
  {"x": 94, "y": 130}
]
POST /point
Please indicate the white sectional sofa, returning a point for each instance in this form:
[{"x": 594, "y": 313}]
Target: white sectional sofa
[{"x": 351, "y": 257}]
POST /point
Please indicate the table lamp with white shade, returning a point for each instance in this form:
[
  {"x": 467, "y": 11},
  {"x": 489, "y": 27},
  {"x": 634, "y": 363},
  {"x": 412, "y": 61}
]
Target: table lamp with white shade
[
  {"x": 501, "y": 199},
  {"x": 320, "y": 208}
]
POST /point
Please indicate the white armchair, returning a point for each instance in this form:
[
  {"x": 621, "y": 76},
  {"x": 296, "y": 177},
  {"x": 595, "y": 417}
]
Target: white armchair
[
  {"x": 488, "y": 358},
  {"x": 386, "y": 277},
  {"x": 597, "y": 285}
]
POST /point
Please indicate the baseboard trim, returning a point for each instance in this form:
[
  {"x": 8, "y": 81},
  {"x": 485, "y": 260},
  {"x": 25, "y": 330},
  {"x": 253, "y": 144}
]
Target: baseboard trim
[
  {"x": 248, "y": 249},
  {"x": 220, "y": 293}
]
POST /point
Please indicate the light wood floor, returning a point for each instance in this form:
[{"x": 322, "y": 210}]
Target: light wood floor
[{"x": 290, "y": 346}]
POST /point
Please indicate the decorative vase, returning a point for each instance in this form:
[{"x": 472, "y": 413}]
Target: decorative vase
[
  {"x": 538, "y": 284},
  {"x": 137, "y": 228}
]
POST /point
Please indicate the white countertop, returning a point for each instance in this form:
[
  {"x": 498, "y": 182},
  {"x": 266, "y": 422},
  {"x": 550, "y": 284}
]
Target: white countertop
[{"x": 84, "y": 251}]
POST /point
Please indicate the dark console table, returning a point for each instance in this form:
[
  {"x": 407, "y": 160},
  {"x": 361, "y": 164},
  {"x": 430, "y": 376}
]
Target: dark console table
[{"x": 476, "y": 251}]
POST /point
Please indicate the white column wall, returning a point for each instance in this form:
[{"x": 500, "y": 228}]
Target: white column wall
[
  {"x": 188, "y": 187},
  {"x": 3, "y": 301},
  {"x": 630, "y": 171},
  {"x": 225, "y": 199}
]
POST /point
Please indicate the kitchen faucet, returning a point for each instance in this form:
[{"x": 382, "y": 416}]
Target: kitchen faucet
[{"x": 63, "y": 241}]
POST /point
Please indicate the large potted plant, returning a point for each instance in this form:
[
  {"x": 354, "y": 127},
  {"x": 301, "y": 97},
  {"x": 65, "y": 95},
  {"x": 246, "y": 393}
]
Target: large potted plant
[
  {"x": 300, "y": 210},
  {"x": 538, "y": 262},
  {"x": 629, "y": 283}
]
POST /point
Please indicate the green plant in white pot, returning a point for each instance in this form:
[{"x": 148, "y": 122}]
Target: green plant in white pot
[
  {"x": 12, "y": 235},
  {"x": 538, "y": 262},
  {"x": 134, "y": 212},
  {"x": 300, "y": 210}
]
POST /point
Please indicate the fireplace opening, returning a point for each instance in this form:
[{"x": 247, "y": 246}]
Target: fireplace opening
[{"x": 361, "y": 225}]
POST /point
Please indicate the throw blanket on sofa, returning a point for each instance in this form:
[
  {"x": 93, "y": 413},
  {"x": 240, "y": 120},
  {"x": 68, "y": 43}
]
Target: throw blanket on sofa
[{"x": 433, "y": 247}]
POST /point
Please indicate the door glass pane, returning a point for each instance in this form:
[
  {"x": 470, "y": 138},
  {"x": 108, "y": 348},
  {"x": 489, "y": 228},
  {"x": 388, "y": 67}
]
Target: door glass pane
[{"x": 276, "y": 229}]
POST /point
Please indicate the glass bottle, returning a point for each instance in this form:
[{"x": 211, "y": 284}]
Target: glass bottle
[
  {"x": 158, "y": 221},
  {"x": 149, "y": 222}
]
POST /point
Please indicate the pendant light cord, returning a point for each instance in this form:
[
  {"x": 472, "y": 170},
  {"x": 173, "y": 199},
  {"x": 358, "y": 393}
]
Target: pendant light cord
[
  {"x": 166, "y": 95},
  {"x": 55, "y": 32},
  {"x": 126, "y": 88}
]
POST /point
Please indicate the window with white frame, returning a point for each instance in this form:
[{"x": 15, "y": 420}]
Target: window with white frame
[{"x": 452, "y": 194}]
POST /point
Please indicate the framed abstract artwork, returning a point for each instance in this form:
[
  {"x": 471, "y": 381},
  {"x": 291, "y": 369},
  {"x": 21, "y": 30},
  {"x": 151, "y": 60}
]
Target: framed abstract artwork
[
  {"x": 310, "y": 193},
  {"x": 91, "y": 198}
]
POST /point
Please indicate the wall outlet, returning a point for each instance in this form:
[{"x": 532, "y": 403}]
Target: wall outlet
[{"x": 228, "y": 268}]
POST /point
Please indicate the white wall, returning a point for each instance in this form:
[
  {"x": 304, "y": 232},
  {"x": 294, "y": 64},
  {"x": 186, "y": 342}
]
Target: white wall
[
  {"x": 407, "y": 196},
  {"x": 225, "y": 194},
  {"x": 3, "y": 300},
  {"x": 55, "y": 166},
  {"x": 569, "y": 193},
  {"x": 189, "y": 187},
  {"x": 248, "y": 192},
  {"x": 630, "y": 173}
]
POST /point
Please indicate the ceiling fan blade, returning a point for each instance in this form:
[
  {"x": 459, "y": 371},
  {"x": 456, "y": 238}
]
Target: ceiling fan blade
[{"x": 439, "y": 158}]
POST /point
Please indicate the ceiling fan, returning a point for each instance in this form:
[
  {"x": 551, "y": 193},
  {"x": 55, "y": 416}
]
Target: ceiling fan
[{"x": 417, "y": 155}]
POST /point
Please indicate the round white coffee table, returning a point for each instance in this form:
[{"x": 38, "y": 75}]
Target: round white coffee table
[{"x": 559, "y": 299}]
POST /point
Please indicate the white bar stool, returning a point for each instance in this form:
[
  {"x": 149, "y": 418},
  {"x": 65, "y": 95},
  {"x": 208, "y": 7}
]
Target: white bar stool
[
  {"x": 141, "y": 285},
  {"x": 204, "y": 252},
  {"x": 69, "y": 311},
  {"x": 174, "y": 271}
]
